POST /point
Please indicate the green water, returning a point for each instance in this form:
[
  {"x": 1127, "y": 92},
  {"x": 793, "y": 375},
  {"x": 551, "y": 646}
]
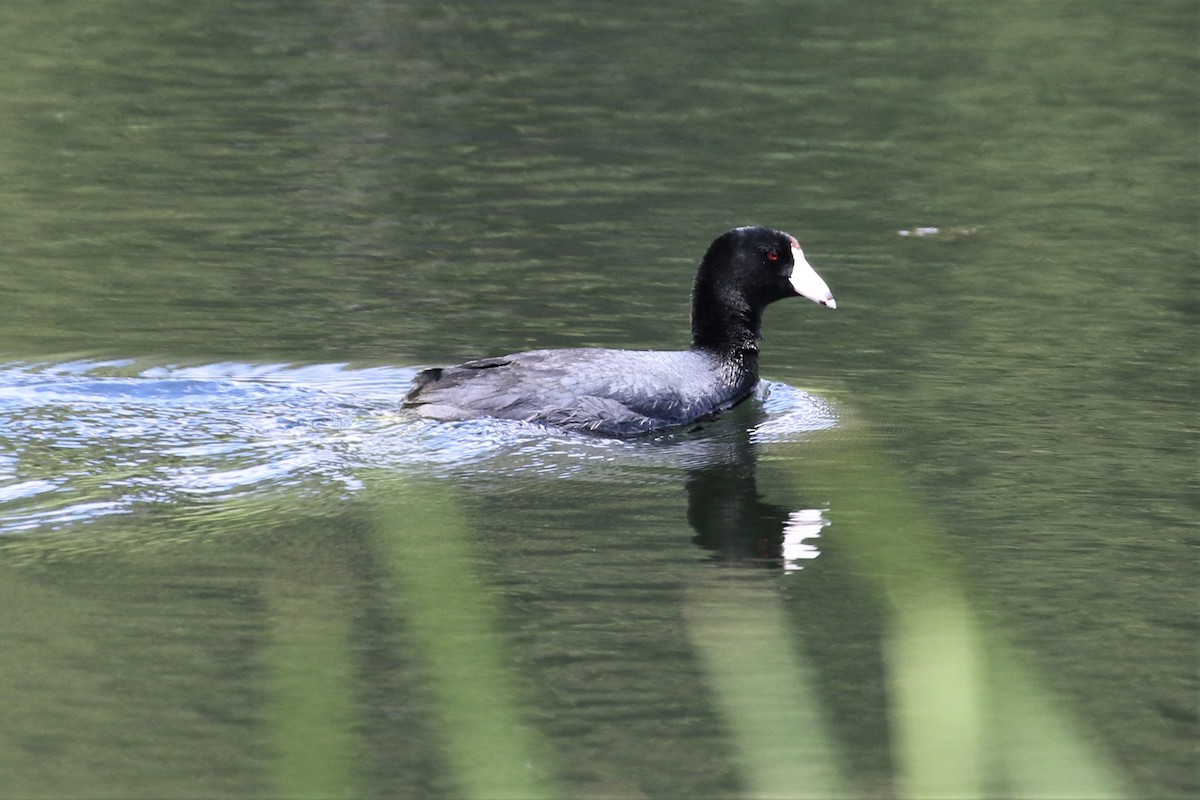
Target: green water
[{"x": 231, "y": 229}]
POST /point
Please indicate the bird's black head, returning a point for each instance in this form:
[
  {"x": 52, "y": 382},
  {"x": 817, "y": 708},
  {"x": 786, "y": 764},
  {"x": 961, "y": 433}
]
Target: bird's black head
[{"x": 743, "y": 271}]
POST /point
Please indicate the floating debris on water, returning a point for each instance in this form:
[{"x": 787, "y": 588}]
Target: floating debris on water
[{"x": 957, "y": 232}]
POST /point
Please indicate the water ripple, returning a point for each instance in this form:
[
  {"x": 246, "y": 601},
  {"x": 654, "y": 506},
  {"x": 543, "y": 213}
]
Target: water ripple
[{"x": 85, "y": 440}]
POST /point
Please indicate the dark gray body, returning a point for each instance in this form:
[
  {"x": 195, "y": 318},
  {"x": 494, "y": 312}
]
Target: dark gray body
[{"x": 611, "y": 392}]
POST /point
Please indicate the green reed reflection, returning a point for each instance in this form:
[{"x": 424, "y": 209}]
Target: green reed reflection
[
  {"x": 969, "y": 718},
  {"x": 312, "y": 710},
  {"x": 764, "y": 690},
  {"x": 488, "y": 748}
]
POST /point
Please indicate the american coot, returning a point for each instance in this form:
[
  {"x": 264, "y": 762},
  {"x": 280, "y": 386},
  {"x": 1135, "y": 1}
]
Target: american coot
[{"x": 630, "y": 392}]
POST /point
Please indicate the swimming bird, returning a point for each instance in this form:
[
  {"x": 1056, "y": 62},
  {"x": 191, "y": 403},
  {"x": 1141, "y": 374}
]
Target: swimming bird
[{"x": 630, "y": 392}]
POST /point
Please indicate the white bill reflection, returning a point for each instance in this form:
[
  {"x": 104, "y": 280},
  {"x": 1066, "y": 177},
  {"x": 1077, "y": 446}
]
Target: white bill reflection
[{"x": 802, "y": 528}]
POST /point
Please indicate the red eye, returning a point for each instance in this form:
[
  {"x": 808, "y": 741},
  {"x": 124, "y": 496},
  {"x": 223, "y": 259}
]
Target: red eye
[{"x": 772, "y": 255}]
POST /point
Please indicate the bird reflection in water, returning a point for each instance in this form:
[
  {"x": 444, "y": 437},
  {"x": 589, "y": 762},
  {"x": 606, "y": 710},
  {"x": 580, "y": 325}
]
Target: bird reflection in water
[{"x": 732, "y": 519}]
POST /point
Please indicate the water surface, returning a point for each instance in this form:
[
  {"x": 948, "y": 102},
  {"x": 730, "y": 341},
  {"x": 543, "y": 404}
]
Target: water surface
[{"x": 955, "y": 546}]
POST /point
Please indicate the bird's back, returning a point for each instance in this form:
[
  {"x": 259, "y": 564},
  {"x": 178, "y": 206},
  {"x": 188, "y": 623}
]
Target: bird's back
[{"x": 613, "y": 392}]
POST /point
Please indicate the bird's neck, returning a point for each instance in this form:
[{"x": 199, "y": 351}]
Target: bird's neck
[{"x": 730, "y": 331}]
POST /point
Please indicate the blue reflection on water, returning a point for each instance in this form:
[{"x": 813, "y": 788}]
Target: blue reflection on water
[{"x": 86, "y": 439}]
